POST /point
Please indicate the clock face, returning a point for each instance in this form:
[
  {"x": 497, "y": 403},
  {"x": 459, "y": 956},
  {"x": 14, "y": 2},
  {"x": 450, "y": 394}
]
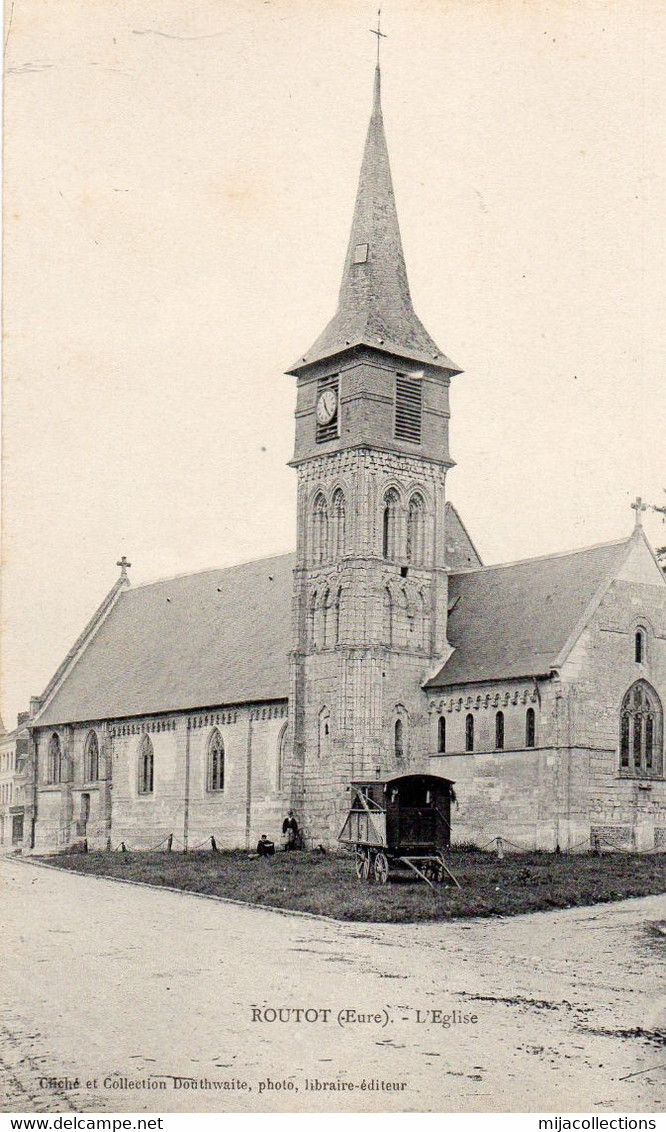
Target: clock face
[{"x": 327, "y": 404}]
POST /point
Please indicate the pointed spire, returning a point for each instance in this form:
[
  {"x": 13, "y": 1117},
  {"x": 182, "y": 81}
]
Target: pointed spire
[{"x": 375, "y": 306}]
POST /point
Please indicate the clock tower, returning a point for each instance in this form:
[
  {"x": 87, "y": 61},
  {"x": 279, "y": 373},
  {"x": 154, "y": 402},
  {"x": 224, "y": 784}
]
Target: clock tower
[{"x": 371, "y": 455}]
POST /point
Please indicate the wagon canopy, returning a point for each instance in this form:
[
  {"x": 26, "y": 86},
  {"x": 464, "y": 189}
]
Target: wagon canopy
[{"x": 406, "y": 813}]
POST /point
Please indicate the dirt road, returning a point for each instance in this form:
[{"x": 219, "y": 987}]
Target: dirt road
[{"x": 127, "y": 999}]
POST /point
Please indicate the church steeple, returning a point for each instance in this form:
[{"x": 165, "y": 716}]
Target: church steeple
[
  {"x": 371, "y": 453},
  {"x": 375, "y": 306}
]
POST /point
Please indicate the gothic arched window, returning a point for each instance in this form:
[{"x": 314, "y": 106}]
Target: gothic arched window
[
  {"x": 339, "y": 525},
  {"x": 641, "y": 731},
  {"x": 91, "y": 758},
  {"x": 388, "y": 616},
  {"x": 499, "y": 731},
  {"x": 54, "y": 760},
  {"x": 639, "y": 646},
  {"x": 530, "y": 728},
  {"x": 390, "y": 525},
  {"x": 469, "y": 732},
  {"x": 320, "y": 529},
  {"x": 441, "y": 735},
  {"x": 416, "y": 530},
  {"x": 215, "y": 761},
  {"x": 399, "y": 740},
  {"x": 146, "y": 766}
]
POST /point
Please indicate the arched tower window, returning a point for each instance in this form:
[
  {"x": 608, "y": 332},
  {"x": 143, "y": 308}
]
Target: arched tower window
[
  {"x": 320, "y": 529},
  {"x": 641, "y": 731},
  {"x": 339, "y": 525},
  {"x": 54, "y": 760},
  {"x": 388, "y": 616},
  {"x": 399, "y": 740},
  {"x": 91, "y": 758},
  {"x": 416, "y": 530},
  {"x": 499, "y": 731},
  {"x": 441, "y": 735},
  {"x": 639, "y": 646},
  {"x": 324, "y": 733},
  {"x": 530, "y": 728},
  {"x": 469, "y": 732},
  {"x": 146, "y": 766},
  {"x": 390, "y": 525},
  {"x": 215, "y": 761}
]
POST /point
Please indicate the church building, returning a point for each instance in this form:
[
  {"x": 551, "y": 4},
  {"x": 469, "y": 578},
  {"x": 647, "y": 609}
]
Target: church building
[{"x": 209, "y": 704}]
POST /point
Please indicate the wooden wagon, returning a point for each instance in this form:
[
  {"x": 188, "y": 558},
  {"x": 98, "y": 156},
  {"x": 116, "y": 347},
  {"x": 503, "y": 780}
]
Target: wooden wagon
[{"x": 399, "y": 824}]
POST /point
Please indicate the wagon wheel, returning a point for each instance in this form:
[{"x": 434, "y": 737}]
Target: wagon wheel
[
  {"x": 381, "y": 868},
  {"x": 362, "y": 864}
]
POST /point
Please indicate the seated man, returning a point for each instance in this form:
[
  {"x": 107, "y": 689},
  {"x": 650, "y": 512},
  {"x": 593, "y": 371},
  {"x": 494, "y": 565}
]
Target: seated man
[{"x": 265, "y": 848}]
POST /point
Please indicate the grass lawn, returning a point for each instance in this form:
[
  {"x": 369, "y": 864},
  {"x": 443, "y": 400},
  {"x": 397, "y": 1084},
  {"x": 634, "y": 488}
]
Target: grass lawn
[{"x": 327, "y": 884}]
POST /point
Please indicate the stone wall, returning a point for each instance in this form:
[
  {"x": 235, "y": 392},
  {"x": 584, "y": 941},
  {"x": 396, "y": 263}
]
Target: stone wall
[
  {"x": 621, "y": 805},
  {"x": 508, "y": 794},
  {"x": 571, "y": 787},
  {"x": 358, "y": 695},
  {"x": 252, "y": 801},
  {"x": 483, "y": 701},
  {"x": 359, "y": 681}
]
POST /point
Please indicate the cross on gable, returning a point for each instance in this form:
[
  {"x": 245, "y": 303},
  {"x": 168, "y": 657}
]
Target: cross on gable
[
  {"x": 124, "y": 565},
  {"x": 639, "y": 507}
]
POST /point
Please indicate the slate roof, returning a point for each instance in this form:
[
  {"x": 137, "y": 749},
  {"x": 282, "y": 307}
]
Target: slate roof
[
  {"x": 223, "y": 636},
  {"x": 198, "y": 640},
  {"x": 461, "y": 553},
  {"x": 375, "y": 306},
  {"x": 514, "y": 620}
]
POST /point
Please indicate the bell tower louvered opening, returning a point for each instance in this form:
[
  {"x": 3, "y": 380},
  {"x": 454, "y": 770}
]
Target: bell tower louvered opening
[{"x": 408, "y": 409}]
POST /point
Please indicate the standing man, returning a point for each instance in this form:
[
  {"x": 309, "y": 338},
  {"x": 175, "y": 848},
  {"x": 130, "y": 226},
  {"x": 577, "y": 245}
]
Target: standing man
[{"x": 290, "y": 831}]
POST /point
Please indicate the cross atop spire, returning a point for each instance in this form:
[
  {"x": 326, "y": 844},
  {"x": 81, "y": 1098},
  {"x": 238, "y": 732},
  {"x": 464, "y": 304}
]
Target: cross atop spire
[
  {"x": 639, "y": 507},
  {"x": 378, "y": 32}
]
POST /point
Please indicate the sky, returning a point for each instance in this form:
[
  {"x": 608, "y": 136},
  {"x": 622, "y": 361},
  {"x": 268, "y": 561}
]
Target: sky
[{"x": 179, "y": 184}]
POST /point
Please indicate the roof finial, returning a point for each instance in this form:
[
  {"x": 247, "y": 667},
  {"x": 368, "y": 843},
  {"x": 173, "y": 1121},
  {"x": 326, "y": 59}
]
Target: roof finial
[
  {"x": 378, "y": 32},
  {"x": 638, "y": 507},
  {"x": 124, "y": 566}
]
